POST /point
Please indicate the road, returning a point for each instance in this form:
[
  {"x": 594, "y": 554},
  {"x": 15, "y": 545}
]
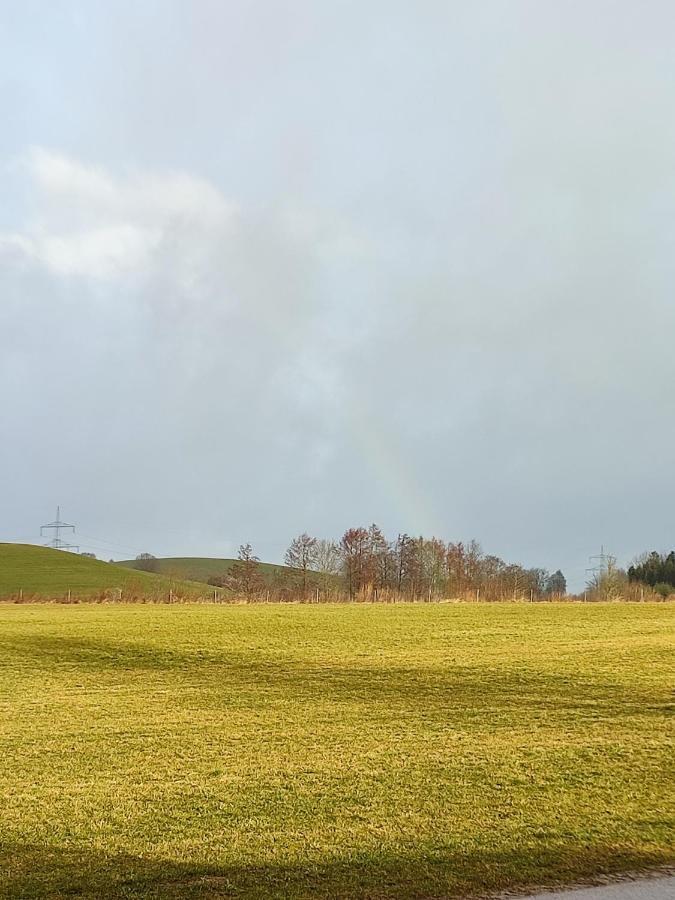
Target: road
[{"x": 658, "y": 888}]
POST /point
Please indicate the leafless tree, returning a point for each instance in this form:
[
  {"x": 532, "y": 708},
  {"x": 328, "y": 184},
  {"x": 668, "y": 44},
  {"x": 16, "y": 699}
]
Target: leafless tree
[
  {"x": 146, "y": 562},
  {"x": 327, "y": 563},
  {"x": 300, "y": 556},
  {"x": 245, "y": 576},
  {"x": 354, "y": 545}
]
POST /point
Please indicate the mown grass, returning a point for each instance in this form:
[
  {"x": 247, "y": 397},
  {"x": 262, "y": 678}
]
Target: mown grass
[
  {"x": 43, "y": 572},
  {"x": 332, "y": 751}
]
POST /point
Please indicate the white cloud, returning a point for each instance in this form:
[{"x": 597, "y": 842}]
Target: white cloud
[
  {"x": 99, "y": 253},
  {"x": 91, "y": 223},
  {"x": 147, "y": 196}
]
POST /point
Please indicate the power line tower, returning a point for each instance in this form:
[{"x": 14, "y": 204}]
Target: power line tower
[
  {"x": 605, "y": 563},
  {"x": 57, "y": 527}
]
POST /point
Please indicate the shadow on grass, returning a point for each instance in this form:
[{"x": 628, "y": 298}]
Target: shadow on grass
[
  {"x": 451, "y": 686},
  {"x": 31, "y": 872}
]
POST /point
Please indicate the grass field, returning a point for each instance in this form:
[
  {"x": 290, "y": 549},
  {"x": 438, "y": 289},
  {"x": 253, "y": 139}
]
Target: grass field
[
  {"x": 52, "y": 573},
  {"x": 332, "y": 751},
  {"x": 200, "y": 568}
]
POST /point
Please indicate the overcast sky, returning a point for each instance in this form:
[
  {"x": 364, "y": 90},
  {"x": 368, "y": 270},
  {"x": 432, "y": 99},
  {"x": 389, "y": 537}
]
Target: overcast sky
[{"x": 268, "y": 267}]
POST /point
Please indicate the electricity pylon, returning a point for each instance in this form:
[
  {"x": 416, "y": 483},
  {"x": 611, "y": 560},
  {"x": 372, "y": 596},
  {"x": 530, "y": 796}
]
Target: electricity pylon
[
  {"x": 57, "y": 527},
  {"x": 606, "y": 563}
]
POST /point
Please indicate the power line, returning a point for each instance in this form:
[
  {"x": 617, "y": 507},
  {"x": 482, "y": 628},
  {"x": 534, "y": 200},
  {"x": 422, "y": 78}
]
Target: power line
[
  {"x": 57, "y": 526},
  {"x": 96, "y": 540},
  {"x": 90, "y": 541}
]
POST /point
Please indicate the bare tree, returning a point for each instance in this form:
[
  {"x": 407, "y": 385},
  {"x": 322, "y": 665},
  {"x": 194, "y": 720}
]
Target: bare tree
[
  {"x": 147, "y": 562},
  {"x": 244, "y": 576},
  {"x": 327, "y": 563},
  {"x": 301, "y": 556},
  {"x": 608, "y": 581},
  {"x": 434, "y": 567},
  {"x": 381, "y": 569},
  {"x": 354, "y": 545}
]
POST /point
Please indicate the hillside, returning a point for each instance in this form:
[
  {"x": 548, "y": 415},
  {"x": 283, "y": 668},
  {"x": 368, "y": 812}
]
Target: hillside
[
  {"x": 52, "y": 573},
  {"x": 197, "y": 568}
]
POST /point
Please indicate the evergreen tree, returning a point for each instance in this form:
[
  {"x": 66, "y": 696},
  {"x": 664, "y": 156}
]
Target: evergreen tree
[{"x": 556, "y": 584}]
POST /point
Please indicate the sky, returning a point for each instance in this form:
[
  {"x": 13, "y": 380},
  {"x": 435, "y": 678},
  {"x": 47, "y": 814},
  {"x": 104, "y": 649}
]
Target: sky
[{"x": 273, "y": 267}]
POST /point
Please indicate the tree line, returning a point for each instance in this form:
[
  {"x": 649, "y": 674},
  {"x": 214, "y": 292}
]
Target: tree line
[
  {"x": 651, "y": 576},
  {"x": 365, "y": 565},
  {"x": 656, "y": 570}
]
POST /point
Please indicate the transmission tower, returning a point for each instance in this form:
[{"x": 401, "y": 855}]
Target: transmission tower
[
  {"x": 604, "y": 562},
  {"x": 57, "y": 527}
]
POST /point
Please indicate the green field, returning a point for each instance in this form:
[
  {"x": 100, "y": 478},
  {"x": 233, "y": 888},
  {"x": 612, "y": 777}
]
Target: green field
[
  {"x": 354, "y": 751},
  {"x": 200, "y": 568},
  {"x": 48, "y": 573}
]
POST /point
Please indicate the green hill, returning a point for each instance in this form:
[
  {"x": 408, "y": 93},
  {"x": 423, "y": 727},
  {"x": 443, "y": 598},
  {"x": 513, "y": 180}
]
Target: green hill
[
  {"x": 198, "y": 568},
  {"x": 51, "y": 573}
]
